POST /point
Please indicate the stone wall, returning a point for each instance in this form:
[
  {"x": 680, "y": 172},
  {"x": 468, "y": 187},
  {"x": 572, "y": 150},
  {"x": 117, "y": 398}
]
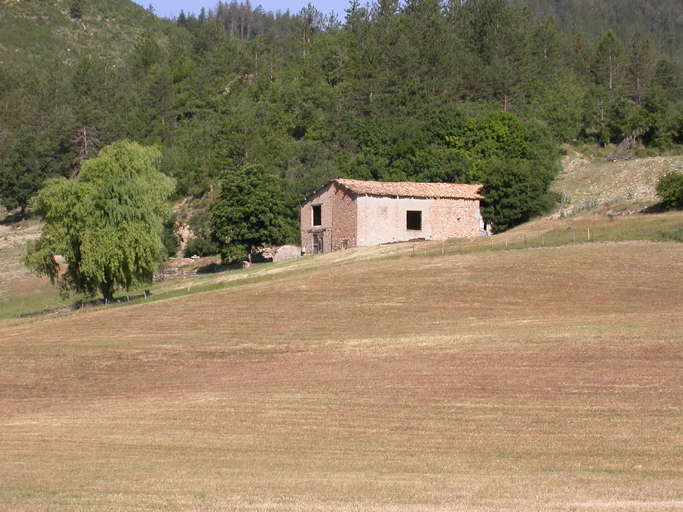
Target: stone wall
[
  {"x": 455, "y": 218},
  {"x": 382, "y": 220},
  {"x": 338, "y": 219},
  {"x": 344, "y": 222}
]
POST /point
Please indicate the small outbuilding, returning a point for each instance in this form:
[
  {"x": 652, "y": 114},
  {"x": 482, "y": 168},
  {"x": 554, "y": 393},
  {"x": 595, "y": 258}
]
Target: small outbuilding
[{"x": 352, "y": 213}]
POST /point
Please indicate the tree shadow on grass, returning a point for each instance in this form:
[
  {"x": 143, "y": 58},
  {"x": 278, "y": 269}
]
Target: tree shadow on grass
[
  {"x": 654, "y": 209},
  {"x": 13, "y": 218},
  {"x": 85, "y": 304},
  {"x": 215, "y": 268}
]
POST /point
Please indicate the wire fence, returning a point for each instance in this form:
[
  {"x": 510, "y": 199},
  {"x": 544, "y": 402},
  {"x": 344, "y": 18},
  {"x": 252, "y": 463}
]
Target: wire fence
[{"x": 539, "y": 239}]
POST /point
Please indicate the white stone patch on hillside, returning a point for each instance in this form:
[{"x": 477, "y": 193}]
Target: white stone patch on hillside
[{"x": 586, "y": 184}]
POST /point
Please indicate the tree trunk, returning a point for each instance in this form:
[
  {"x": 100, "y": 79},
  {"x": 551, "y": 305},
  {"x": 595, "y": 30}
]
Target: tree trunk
[{"x": 107, "y": 290}]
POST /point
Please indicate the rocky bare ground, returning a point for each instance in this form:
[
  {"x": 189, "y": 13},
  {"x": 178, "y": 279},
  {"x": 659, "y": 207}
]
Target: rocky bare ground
[{"x": 585, "y": 183}]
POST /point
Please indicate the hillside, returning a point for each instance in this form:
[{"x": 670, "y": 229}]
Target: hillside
[
  {"x": 535, "y": 380},
  {"x": 659, "y": 20},
  {"x": 529, "y": 371},
  {"x": 34, "y": 33},
  {"x": 588, "y": 182},
  {"x": 483, "y": 92},
  {"x": 592, "y": 191}
]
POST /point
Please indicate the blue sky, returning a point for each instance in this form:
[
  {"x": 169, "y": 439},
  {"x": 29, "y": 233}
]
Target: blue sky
[{"x": 170, "y": 8}]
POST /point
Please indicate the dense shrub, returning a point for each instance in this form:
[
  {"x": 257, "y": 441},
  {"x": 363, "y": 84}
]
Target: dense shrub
[
  {"x": 670, "y": 190},
  {"x": 200, "y": 246},
  {"x": 169, "y": 237}
]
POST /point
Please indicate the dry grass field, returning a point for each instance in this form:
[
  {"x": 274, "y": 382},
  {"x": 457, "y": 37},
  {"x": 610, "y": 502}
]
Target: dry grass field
[
  {"x": 536, "y": 379},
  {"x": 16, "y": 282}
]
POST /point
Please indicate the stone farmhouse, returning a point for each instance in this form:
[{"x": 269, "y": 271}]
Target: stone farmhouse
[{"x": 351, "y": 213}]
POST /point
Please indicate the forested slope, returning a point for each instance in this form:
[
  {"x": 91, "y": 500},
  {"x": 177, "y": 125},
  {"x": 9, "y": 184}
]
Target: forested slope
[
  {"x": 659, "y": 20},
  {"x": 480, "y": 91},
  {"x": 37, "y": 31}
]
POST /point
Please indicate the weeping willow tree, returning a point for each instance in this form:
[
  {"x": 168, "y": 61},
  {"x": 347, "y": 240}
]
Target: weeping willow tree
[{"x": 106, "y": 224}]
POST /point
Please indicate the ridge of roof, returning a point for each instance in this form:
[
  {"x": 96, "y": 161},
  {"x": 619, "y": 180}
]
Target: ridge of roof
[{"x": 411, "y": 189}]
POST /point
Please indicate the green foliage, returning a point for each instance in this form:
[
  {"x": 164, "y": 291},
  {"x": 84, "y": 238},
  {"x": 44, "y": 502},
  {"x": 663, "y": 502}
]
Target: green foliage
[
  {"x": 250, "y": 211},
  {"x": 661, "y": 20},
  {"x": 169, "y": 236},
  {"x": 76, "y": 9},
  {"x": 607, "y": 66},
  {"x": 310, "y": 99},
  {"x": 107, "y": 224},
  {"x": 25, "y": 171},
  {"x": 639, "y": 67},
  {"x": 670, "y": 190},
  {"x": 200, "y": 246},
  {"x": 666, "y": 76},
  {"x": 201, "y": 243},
  {"x": 516, "y": 163}
]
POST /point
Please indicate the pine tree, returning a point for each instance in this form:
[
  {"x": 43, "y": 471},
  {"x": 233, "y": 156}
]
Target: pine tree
[
  {"x": 639, "y": 67},
  {"x": 607, "y": 64}
]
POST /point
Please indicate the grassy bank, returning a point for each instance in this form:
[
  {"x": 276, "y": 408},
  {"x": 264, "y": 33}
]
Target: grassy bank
[{"x": 21, "y": 294}]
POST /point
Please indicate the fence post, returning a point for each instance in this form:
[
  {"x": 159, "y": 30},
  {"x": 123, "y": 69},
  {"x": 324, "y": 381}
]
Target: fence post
[
  {"x": 589, "y": 234},
  {"x": 443, "y": 247},
  {"x": 543, "y": 239},
  {"x": 525, "y": 239}
]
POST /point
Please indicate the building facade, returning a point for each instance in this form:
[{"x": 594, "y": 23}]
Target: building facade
[{"x": 351, "y": 213}]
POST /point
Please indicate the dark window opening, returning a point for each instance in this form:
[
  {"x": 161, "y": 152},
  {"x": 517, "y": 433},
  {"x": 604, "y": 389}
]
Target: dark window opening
[
  {"x": 317, "y": 215},
  {"x": 414, "y": 221}
]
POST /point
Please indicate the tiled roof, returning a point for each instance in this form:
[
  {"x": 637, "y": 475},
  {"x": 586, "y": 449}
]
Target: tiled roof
[{"x": 409, "y": 189}]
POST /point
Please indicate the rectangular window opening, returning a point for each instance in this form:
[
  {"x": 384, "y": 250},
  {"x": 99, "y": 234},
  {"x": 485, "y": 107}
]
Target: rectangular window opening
[
  {"x": 317, "y": 215},
  {"x": 414, "y": 220}
]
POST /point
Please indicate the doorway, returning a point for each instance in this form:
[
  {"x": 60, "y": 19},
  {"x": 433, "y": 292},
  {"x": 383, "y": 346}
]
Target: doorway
[{"x": 318, "y": 243}]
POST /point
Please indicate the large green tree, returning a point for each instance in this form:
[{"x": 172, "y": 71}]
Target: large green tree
[
  {"x": 515, "y": 161},
  {"x": 251, "y": 210},
  {"x": 106, "y": 224}
]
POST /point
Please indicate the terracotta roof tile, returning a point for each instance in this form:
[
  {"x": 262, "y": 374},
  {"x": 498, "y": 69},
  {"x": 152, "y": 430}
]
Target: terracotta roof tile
[{"x": 410, "y": 189}]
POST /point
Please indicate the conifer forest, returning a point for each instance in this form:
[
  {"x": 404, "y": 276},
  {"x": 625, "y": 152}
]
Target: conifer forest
[{"x": 472, "y": 91}]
